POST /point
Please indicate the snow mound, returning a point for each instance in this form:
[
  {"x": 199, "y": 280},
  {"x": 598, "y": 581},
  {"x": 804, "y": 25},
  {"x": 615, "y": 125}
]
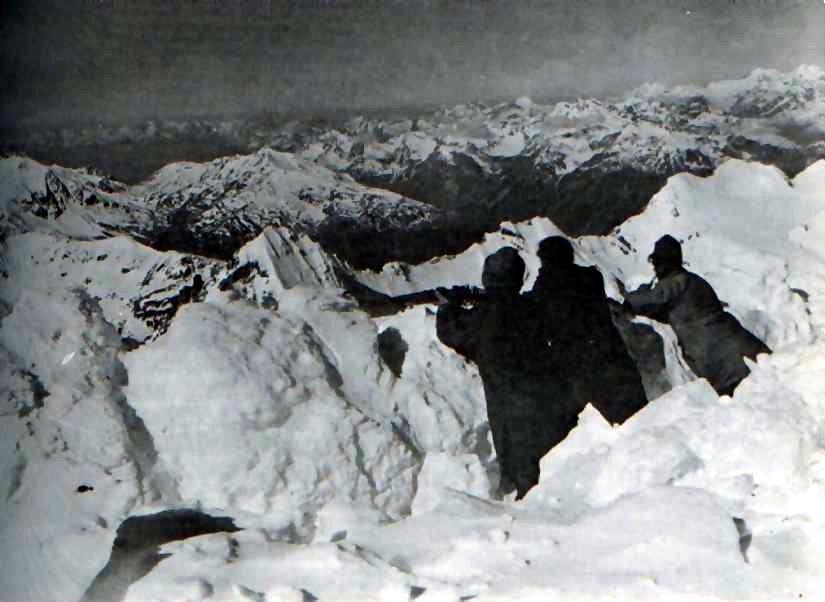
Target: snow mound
[{"x": 261, "y": 424}]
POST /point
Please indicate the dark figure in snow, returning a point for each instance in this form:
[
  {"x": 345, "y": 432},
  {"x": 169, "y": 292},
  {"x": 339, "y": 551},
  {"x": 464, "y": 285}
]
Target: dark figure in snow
[
  {"x": 521, "y": 393},
  {"x": 713, "y": 342},
  {"x": 587, "y": 349}
]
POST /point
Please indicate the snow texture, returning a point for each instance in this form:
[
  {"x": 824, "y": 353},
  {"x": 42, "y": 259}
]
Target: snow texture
[{"x": 127, "y": 388}]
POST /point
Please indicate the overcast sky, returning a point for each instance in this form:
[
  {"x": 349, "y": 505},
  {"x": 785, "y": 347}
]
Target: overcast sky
[{"x": 69, "y": 61}]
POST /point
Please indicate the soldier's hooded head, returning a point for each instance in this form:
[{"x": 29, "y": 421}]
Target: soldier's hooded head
[
  {"x": 666, "y": 256},
  {"x": 555, "y": 251},
  {"x": 503, "y": 272}
]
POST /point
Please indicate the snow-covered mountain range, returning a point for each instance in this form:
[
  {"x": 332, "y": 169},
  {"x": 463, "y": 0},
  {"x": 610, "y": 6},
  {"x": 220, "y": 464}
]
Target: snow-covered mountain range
[
  {"x": 195, "y": 341},
  {"x": 587, "y": 165}
]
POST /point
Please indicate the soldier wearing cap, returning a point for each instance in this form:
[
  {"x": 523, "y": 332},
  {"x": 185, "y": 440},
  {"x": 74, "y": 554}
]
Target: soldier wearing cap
[{"x": 713, "y": 342}]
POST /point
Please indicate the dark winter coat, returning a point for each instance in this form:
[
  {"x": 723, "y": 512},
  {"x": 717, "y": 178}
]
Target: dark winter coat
[
  {"x": 588, "y": 350},
  {"x": 500, "y": 336},
  {"x": 713, "y": 342}
]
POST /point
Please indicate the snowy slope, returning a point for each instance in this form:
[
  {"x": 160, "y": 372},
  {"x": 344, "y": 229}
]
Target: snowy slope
[
  {"x": 266, "y": 398},
  {"x": 71, "y": 202},
  {"x": 188, "y": 343},
  {"x": 210, "y": 209},
  {"x": 268, "y": 181}
]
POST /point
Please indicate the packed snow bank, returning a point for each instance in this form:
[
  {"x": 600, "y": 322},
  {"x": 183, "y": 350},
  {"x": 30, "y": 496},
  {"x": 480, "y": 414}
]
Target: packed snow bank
[
  {"x": 644, "y": 511},
  {"x": 280, "y": 412}
]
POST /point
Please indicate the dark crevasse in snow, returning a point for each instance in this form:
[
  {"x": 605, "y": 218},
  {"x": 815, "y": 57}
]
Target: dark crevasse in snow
[{"x": 393, "y": 349}]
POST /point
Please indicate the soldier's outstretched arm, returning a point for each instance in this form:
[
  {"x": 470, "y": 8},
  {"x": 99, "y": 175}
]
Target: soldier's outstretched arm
[
  {"x": 458, "y": 327},
  {"x": 651, "y": 300}
]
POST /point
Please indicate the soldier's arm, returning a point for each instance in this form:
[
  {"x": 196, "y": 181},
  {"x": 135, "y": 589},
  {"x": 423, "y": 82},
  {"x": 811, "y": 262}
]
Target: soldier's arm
[
  {"x": 458, "y": 327},
  {"x": 650, "y": 301}
]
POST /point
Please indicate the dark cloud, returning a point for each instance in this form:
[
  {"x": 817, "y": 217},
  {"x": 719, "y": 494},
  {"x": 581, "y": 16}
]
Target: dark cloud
[{"x": 70, "y": 61}]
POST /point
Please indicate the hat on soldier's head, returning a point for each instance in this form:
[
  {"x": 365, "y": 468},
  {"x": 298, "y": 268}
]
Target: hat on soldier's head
[
  {"x": 503, "y": 269},
  {"x": 555, "y": 250},
  {"x": 667, "y": 251}
]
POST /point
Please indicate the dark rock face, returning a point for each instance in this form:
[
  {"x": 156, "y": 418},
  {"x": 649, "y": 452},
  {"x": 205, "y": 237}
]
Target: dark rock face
[
  {"x": 365, "y": 247},
  {"x": 393, "y": 349},
  {"x": 206, "y": 222},
  {"x": 157, "y": 309},
  {"x": 592, "y": 200},
  {"x": 368, "y": 240},
  {"x": 595, "y": 201},
  {"x": 186, "y": 232},
  {"x": 455, "y": 184},
  {"x": 791, "y": 160},
  {"x": 52, "y": 203}
]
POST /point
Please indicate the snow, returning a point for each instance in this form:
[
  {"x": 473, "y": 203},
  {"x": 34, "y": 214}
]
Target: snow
[
  {"x": 292, "y": 188},
  {"x": 20, "y": 177},
  {"x": 419, "y": 145},
  {"x": 259, "y": 425},
  {"x": 509, "y": 146},
  {"x": 54, "y": 538},
  {"x": 69, "y": 198},
  {"x": 268, "y": 401},
  {"x": 284, "y": 260},
  {"x": 117, "y": 271}
]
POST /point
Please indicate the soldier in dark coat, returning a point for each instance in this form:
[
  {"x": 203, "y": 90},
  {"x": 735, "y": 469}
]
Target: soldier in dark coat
[
  {"x": 713, "y": 342},
  {"x": 588, "y": 350},
  {"x": 500, "y": 333}
]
